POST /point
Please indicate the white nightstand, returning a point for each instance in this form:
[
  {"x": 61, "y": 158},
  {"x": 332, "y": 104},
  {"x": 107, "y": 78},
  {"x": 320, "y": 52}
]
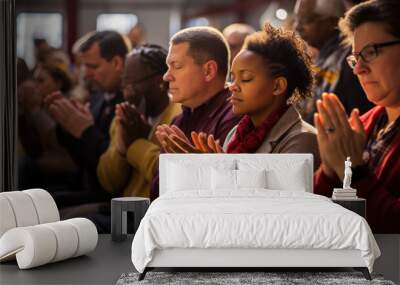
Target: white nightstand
[{"x": 357, "y": 205}]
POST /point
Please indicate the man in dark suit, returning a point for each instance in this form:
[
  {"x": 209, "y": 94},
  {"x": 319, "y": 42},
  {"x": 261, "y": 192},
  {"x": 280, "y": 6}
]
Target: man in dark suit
[{"x": 83, "y": 129}]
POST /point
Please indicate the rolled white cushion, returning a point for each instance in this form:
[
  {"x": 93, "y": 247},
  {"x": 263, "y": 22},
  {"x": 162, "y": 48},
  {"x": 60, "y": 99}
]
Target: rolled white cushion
[
  {"x": 23, "y": 208},
  {"x": 45, "y": 206},
  {"x": 87, "y": 235},
  {"x": 40, "y": 244},
  {"x": 33, "y": 246},
  {"x": 66, "y": 238},
  {"x": 7, "y": 218}
]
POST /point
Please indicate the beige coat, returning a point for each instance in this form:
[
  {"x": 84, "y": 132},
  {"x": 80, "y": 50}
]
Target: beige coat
[{"x": 289, "y": 135}]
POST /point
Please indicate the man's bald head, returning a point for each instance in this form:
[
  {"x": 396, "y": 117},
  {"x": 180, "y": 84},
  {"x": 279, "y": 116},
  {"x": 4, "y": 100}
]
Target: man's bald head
[
  {"x": 235, "y": 35},
  {"x": 330, "y": 8}
]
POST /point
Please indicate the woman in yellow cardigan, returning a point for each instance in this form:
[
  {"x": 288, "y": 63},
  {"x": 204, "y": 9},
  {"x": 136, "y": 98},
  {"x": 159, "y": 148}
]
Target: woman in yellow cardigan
[{"x": 127, "y": 167}]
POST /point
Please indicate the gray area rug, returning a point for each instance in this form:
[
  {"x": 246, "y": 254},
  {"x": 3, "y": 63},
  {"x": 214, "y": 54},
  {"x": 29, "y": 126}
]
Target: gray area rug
[{"x": 229, "y": 278}]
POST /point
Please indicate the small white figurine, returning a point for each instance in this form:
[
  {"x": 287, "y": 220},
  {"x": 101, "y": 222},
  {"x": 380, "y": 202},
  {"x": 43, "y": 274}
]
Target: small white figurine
[
  {"x": 345, "y": 193},
  {"x": 347, "y": 174}
]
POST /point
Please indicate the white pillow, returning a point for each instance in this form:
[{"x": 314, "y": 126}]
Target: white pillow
[
  {"x": 293, "y": 180},
  {"x": 237, "y": 179},
  {"x": 184, "y": 175},
  {"x": 185, "y": 178},
  {"x": 223, "y": 179},
  {"x": 251, "y": 178},
  {"x": 280, "y": 174}
]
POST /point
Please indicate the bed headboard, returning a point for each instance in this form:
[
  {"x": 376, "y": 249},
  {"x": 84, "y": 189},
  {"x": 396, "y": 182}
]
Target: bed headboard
[{"x": 285, "y": 169}]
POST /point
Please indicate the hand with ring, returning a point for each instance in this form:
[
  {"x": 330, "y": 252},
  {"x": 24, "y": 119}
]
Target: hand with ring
[
  {"x": 330, "y": 129},
  {"x": 338, "y": 136}
]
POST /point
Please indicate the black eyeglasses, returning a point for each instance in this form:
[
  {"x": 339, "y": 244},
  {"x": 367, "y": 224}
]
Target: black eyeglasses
[{"x": 368, "y": 53}]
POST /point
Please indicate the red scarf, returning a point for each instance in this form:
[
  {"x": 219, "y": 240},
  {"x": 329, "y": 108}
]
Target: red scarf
[{"x": 248, "y": 138}]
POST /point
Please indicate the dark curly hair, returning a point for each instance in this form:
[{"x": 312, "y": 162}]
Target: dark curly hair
[
  {"x": 154, "y": 56},
  {"x": 286, "y": 55}
]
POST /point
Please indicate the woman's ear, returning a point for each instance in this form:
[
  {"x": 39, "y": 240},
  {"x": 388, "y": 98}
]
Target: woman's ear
[
  {"x": 210, "y": 70},
  {"x": 280, "y": 86}
]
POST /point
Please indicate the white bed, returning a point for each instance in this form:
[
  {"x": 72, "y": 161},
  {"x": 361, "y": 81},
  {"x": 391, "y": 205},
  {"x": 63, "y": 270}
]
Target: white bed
[{"x": 247, "y": 210}]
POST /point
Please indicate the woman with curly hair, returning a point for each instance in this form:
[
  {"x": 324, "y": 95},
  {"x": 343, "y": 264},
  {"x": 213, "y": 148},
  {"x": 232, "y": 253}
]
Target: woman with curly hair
[{"x": 270, "y": 73}]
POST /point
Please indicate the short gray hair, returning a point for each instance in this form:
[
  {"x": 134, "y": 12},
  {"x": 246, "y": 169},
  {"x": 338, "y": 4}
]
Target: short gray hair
[
  {"x": 205, "y": 43},
  {"x": 334, "y": 8},
  {"x": 239, "y": 28}
]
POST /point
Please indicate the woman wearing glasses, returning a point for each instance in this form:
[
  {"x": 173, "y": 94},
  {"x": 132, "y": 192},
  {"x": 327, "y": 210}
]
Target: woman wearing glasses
[{"x": 373, "y": 140}]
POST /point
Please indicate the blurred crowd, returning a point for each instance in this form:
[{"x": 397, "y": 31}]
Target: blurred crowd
[{"x": 91, "y": 127}]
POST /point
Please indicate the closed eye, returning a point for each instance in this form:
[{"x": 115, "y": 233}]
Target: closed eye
[{"x": 175, "y": 65}]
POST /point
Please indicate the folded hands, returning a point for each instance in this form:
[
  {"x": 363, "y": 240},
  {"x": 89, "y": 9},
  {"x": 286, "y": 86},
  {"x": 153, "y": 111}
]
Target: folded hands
[
  {"x": 72, "y": 115},
  {"x": 173, "y": 140},
  {"x": 338, "y": 135}
]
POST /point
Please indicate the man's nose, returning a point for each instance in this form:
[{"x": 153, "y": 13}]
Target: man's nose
[{"x": 167, "y": 76}]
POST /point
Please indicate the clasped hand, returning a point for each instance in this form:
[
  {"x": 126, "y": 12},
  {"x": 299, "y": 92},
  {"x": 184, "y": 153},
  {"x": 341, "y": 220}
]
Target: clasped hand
[
  {"x": 72, "y": 115},
  {"x": 173, "y": 140},
  {"x": 338, "y": 136},
  {"x": 130, "y": 126}
]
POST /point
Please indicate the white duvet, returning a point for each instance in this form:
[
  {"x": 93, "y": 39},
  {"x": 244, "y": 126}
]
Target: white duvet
[{"x": 253, "y": 218}]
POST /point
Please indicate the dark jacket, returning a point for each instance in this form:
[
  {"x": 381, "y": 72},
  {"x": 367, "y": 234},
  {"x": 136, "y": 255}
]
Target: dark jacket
[{"x": 94, "y": 141}]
